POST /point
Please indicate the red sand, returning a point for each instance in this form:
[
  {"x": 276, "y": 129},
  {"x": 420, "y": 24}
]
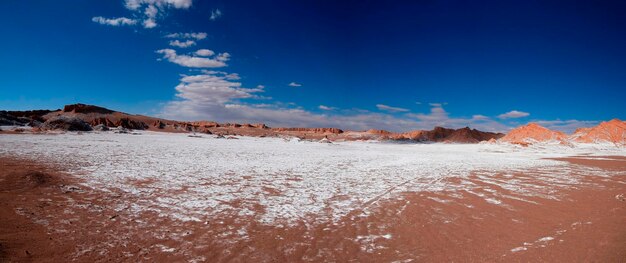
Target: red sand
[{"x": 47, "y": 217}]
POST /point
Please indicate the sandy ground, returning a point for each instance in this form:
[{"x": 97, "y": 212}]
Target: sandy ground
[
  {"x": 51, "y": 213},
  {"x": 585, "y": 224}
]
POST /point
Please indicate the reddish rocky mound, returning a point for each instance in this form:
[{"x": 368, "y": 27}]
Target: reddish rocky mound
[
  {"x": 613, "y": 131},
  {"x": 379, "y": 132},
  {"x": 440, "y": 134},
  {"x": 84, "y": 108},
  {"x": 311, "y": 130},
  {"x": 416, "y": 135},
  {"x": 206, "y": 124},
  {"x": 102, "y": 120},
  {"x": 467, "y": 135},
  {"x": 531, "y": 133}
]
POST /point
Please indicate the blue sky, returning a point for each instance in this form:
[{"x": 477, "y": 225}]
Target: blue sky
[{"x": 355, "y": 64}]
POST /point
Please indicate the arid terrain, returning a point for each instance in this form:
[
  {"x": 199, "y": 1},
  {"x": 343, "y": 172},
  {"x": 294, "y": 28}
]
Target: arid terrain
[
  {"x": 146, "y": 196},
  {"x": 141, "y": 131}
]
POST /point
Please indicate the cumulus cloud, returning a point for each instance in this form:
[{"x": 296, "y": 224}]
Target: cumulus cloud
[
  {"x": 223, "y": 57},
  {"x": 288, "y": 115},
  {"x": 149, "y": 23},
  {"x": 438, "y": 116},
  {"x": 480, "y": 117},
  {"x": 215, "y": 14},
  {"x": 323, "y": 107},
  {"x": 513, "y": 114},
  {"x": 119, "y": 21},
  {"x": 204, "y": 52},
  {"x": 294, "y": 84},
  {"x": 137, "y": 4},
  {"x": 390, "y": 108},
  {"x": 192, "y": 61},
  {"x": 213, "y": 95},
  {"x": 196, "y": 36},
  {"x": 148, "y": 11},
  {"x": 226, "y": 75},
  {"x": 182, "y": 44}
]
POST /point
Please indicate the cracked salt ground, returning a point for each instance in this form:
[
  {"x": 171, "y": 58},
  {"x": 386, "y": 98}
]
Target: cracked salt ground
[
  {"x": 233, "y": 187},
  {"x": 191, "y": 179}
]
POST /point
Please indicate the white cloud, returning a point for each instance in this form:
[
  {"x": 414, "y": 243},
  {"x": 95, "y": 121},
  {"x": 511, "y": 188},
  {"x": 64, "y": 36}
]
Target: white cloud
[
  {"x": 294, "y": 84},
  {"x": 120, "y": 21},
  {"x": 151, "y": 13},
  {"x": 213, "y": 96},
  {"x": 226, "y": 75},
  {"x": 178, "y": 4},
  {"x": 437, "y": 115},
  {"x": 223, "y": 57},
  {"x": 513, "y": 114},
  {"x": 191, "y": 61},
  {"x": 221, "y": 105},
  {"x": 235, "y": 76},
  {"x": 197, "y": 36},
  {"x": 181, "y": 44},
  {"x": 390, "y": 108},
  {"x": 149, "y": 23},
  {"x": 323, "y": 107},
  {"x": 215, "y": 14},
  {"x": 146, "y": 10},
  {"x": 204, "y": 52},
  {"x": 480, "y": 117}
]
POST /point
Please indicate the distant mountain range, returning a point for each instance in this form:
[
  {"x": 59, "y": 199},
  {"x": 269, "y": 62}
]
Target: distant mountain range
[{"x": 82, "y": 117}]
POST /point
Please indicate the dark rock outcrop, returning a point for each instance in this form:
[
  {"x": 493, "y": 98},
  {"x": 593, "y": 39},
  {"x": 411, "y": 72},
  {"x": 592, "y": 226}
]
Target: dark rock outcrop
[
  {"x": 7, "y": 119},
  {"x": 440, "y": 134},
  {"x": 158, "y": 124},
  {"x": 102, "y": 121},
  {"x": 131, "y": 124},
  {"x": 66, "y": 124}
]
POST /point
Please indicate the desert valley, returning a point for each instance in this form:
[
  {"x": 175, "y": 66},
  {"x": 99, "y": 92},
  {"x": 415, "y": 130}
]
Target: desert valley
[
  {"x": 86, "y": 183},
  {"x": 312, "y": 131}
]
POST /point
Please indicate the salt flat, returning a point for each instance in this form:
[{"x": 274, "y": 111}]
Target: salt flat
[
  {"x": 170, "y": 197},
  {"x": 194, "y": 179}
]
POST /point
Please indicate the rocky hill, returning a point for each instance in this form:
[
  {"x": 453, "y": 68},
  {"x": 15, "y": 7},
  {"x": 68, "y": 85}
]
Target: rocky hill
[
  {"x": 533, "y": 133},
  {"x": 613, "y": 131}
]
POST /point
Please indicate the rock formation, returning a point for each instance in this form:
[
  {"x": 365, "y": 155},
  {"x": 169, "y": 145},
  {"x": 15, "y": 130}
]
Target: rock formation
[
  {"x": 613, "y": 131},
  {"x": 131, "y": 124},
  {"x": 531, "y": 133},
  {"x": 83, "y": 108},
  {"x": 440, "y": 134},
  {"x": 311, "y": 130},
  {"x": 67, "y": 124}
]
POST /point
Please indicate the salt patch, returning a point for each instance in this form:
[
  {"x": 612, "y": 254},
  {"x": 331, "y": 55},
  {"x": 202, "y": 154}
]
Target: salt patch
[{"x": 195, "y": 179}]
